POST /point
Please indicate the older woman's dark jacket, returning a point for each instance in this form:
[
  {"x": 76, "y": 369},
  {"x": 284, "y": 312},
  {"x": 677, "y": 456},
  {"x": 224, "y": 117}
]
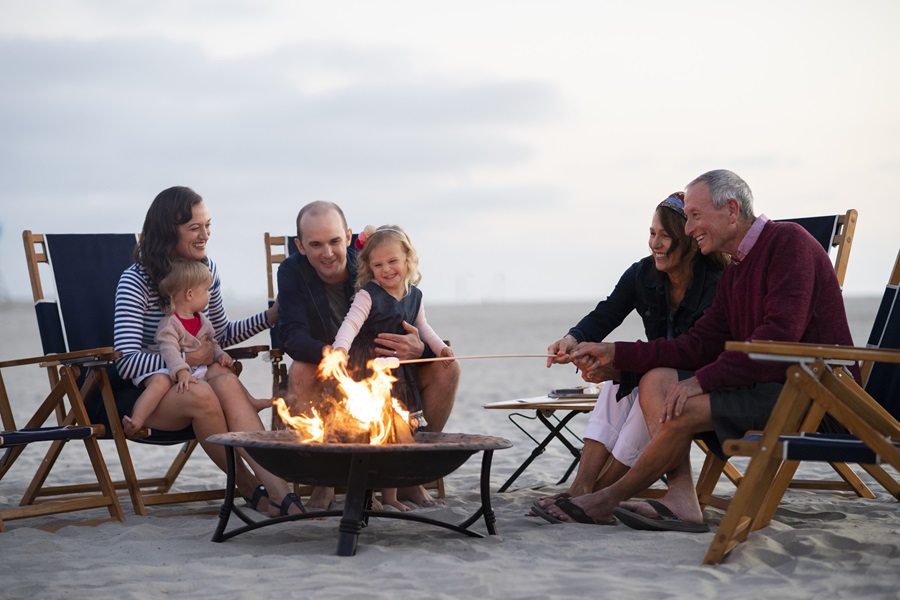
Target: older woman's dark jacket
[{"x": 644, "y": 289}]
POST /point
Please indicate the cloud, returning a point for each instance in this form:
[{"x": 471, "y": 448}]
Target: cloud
[
  {"x": 94, "y": 129},
  {"x": 100, "y": 114}
]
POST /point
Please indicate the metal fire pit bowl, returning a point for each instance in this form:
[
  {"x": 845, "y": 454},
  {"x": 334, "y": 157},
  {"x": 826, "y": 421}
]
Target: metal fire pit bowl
[{"x": 359, "y": 468}]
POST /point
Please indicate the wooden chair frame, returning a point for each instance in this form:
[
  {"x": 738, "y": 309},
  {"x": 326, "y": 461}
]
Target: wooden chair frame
[
  {"x": 40, "y": 499},
  {"x": 813, "y": 388}
]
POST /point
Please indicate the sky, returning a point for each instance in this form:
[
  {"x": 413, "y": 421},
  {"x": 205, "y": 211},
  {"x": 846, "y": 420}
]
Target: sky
[{"x": 523, "y": 145}]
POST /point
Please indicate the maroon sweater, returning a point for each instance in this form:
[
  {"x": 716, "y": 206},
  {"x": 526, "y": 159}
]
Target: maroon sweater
[{"x": 784, "y": 290}]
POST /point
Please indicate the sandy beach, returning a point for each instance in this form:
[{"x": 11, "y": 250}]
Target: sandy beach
[{"x": 824, "y": 544}]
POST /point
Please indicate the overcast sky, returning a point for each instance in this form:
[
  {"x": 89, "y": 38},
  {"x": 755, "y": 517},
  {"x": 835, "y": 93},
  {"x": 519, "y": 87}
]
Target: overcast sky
[{"x": 522, "y": 145}]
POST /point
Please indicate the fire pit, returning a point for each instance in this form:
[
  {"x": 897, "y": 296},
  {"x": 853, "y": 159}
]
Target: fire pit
[{"x": 359, "y": 467}]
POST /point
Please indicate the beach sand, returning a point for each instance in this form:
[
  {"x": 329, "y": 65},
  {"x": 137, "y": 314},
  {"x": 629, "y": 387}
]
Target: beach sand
[{"x": 821, "y": 543}]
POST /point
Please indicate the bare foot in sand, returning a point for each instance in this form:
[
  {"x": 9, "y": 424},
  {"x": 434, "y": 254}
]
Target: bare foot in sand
[
  {"x": 545, "y": 502},
  {"x": 389, "y": 498},
  {"x": 416, "y": 494},
  {"x": 133, "y": 430},
  {"x": 321, "y": 498}
]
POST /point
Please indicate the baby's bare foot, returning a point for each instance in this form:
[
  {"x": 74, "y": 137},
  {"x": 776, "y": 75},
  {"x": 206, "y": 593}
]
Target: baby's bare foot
[{"x": 133, "y": 430}]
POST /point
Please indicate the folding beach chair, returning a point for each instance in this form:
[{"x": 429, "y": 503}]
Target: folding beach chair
[
  {"x": 817, "y": 385},
  {"x": 69, "y": 424},
  {"x": 278, "y": 248},
  {"x": 831, "y": 231},
  {"x": 85, "y": 270}
]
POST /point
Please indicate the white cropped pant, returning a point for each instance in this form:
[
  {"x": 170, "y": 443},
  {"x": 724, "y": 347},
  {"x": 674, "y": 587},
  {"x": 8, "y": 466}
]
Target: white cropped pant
[{"x": 619, "y": 426}]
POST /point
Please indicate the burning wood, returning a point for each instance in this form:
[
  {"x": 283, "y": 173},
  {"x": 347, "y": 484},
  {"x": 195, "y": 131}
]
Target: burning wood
[{"x": 357, "y": 411}]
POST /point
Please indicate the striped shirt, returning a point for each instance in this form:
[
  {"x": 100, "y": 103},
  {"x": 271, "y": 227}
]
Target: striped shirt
[{"x": 138, "y": 315}]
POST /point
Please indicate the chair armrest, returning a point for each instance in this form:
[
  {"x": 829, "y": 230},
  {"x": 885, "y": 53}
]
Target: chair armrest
[
  {"x": 246, "y": 351},
  {"x": 91, "y": 356},
  {"x": 795, "y": 352}
]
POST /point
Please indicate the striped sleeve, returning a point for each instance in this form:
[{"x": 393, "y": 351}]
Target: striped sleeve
[
  {"x": 228, "y": 332},
  {"x": 137, "y": 315}
]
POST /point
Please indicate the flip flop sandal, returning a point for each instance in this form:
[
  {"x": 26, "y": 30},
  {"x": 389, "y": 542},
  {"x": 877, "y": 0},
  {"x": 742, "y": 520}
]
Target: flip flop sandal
[
  {"x": 666, "y": 521},
  {"x": 545, "y": 515},
  {"x": 291, "y": 498},
  {"x": 577, "y": 513}
]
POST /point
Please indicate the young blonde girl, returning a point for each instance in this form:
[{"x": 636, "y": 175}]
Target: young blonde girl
[
  {"x": 183, "y": 293},
  {"x": 386, "y": 297}
]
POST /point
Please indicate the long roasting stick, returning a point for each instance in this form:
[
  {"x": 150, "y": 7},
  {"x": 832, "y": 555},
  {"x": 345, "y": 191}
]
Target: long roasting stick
[{"x": 392, "y": 362}]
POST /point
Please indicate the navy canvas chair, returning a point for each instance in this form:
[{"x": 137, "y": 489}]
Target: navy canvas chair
[
  {"x": 817, "y": 385},
  {"x": 833, "y": 232},
  {"x": 85, "y": 270},
  {"x": 278, "y": 248},
  {"x": 53, "y": 422}
]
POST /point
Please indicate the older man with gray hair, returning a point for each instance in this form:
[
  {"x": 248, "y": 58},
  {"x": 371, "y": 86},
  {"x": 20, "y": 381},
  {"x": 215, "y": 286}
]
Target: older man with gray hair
[{"x": 780, "y": 285}]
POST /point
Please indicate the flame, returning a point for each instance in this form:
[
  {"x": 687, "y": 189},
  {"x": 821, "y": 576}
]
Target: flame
[{"x": 367, "y": 407}]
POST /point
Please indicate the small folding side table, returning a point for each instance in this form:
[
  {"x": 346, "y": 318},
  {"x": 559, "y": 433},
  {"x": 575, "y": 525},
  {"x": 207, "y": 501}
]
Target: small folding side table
[{"x": 544, "y": 408}]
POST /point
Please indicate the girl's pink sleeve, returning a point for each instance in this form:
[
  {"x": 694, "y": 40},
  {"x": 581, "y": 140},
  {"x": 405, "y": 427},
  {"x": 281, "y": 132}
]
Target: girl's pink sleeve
[
  {"x": 353, "y": 322},
  {"x": 427, "y": 334}
]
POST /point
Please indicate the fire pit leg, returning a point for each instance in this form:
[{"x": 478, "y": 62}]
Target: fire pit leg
[
  {"x": 354, "y": 505},
  {"x": 485, "y": 510},
  {"x": 228, "y": 502}
]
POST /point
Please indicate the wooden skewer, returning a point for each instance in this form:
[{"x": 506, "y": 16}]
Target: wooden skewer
[{"x": 392, "y": 362}]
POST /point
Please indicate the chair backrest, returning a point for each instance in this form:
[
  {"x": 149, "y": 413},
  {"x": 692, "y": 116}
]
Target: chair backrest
[
  {"x": 85, "y": 269},
  {"x": 832, "y": 231},
  {"x": 882, "y": 380},
  {"x": 278, "y": 248}
]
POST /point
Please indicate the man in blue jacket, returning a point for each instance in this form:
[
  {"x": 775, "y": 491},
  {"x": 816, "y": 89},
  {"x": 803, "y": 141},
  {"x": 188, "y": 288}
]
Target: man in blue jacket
[{"x": 315, "y": 288}]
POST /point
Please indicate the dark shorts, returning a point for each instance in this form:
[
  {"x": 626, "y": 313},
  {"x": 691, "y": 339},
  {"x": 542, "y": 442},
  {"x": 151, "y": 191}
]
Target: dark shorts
[{"x": 735, "y": 411}]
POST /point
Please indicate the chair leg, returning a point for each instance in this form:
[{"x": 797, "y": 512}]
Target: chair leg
[
  {"x": 98, "y": 377},
  {"x": 79, "y": 416},
  {"x": 710, "y": 473},
  {"x": 757, "y": 486},
  {"x": 176, "y": 466},
  {"x": 884, "y": 479},
  {"x": 849, "y": 482},
  {"x": 52, "y": 403},
  {"x": 738, "y": 520},
  {"x": 80, "y": 496}
]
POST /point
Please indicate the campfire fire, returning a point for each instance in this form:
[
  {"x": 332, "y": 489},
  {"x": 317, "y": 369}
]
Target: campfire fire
[{"x": 365, "y": 412}]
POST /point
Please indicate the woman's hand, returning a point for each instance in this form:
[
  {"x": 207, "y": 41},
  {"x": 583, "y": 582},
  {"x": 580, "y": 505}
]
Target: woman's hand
[
  {"x": 203, "y": 356},
  {"x": 406, "y": 346},
  {"x": 561, "y": 350},
  {"x": 588, "y": 356},
  {"x": 272, "y": 314}
]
